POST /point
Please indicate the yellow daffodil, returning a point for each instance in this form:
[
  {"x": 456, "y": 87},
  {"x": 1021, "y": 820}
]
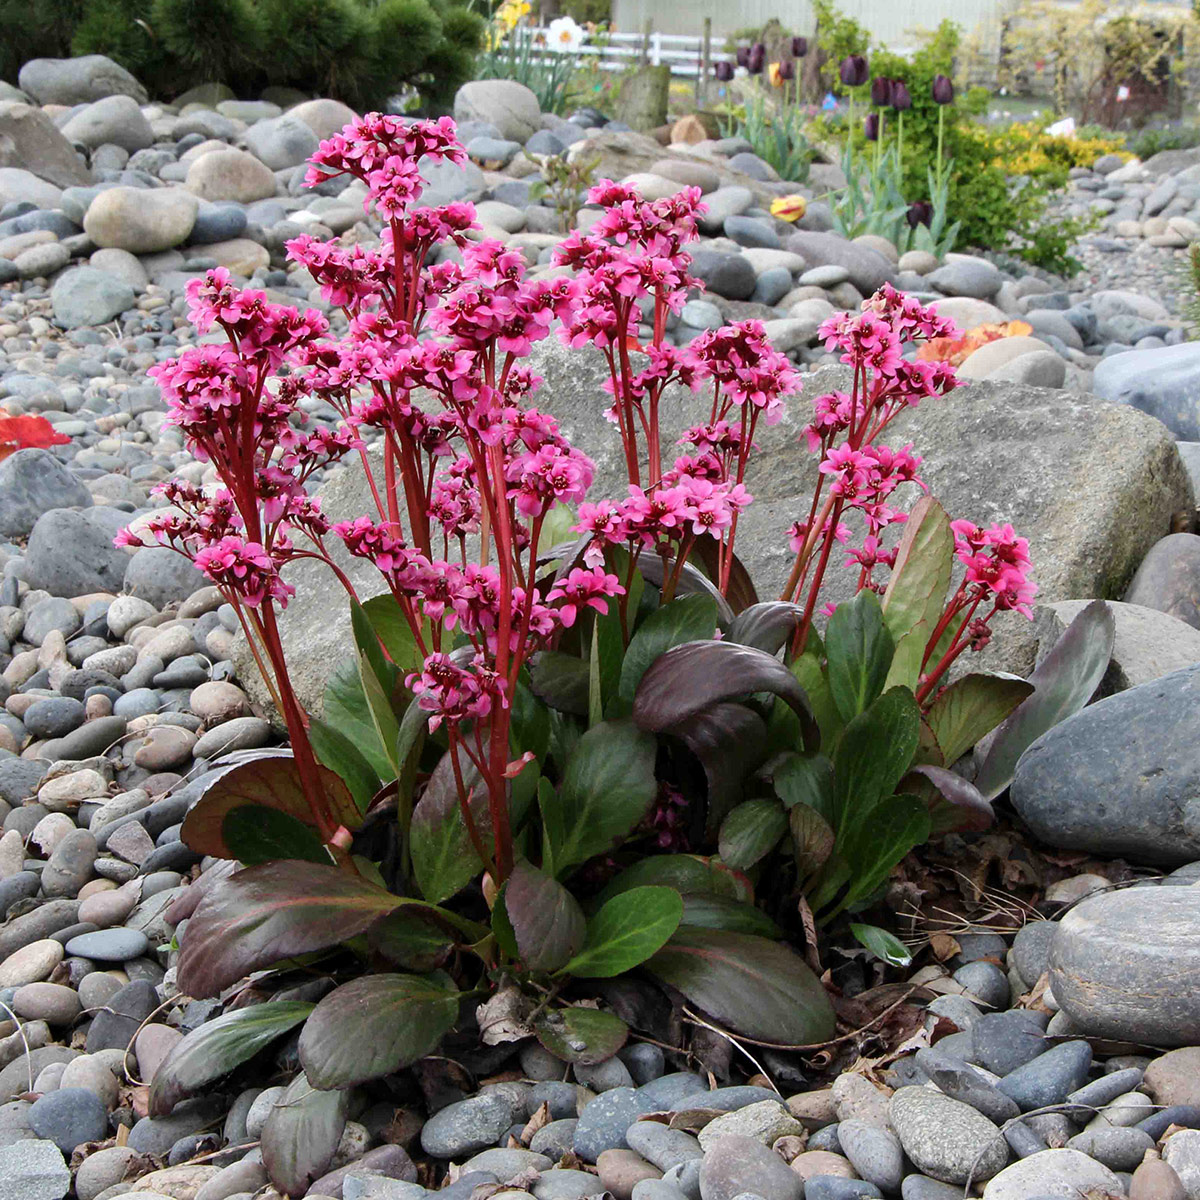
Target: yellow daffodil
[
  {"x": 789, "y": 208},
  {"x": 774, "y": 75}
]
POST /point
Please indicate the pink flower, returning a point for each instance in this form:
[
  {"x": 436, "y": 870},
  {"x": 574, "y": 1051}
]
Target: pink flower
[{"x": 583, "y": 588}]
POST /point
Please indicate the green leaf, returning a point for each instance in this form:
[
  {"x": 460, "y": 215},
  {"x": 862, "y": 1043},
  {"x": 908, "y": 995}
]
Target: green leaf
[
  {"x": 375, "y": 1026},
  {"x": 366, "y": 641},
  {"x": 607, "y": 788},
  {"x": 302, "y": 1133},
  {"x": 873, "y": 755},
  {"x": 708, "y": 911},
  {"x": 444, "y": 858},
  {"x": 1064, "y": 681},
  {"x": 686, "y": 619},
  {"x": 970, "y": 708},
  {"x": 683, "y": 872},
  {"x": 595, "y": 707},
  {"x": 808, "y": 672},
  {"x": 387, "y": 729},
  {"x": 888, "y": 831},
  {"x": 275, "y": 911},
  {"x": 337, "y": 752},
  {"x": 627, "y": 931},
  {"x": 256, "y": 834},
  {"x": 217, "y": 1047},
  {"x": 858, "y": 649},
  {"x": 915, "y": 598},
  {"x": 392, "y": 629},
  {"x": 800, "y": 780},
  {"x": 562, "y": 681},
  {"x": 688, "y": 679},
  {"x": 345, "y": 709},
  {"x": 537, "y": 921},
  {"x": 270, "y": 781},
  {"x": 751, "y": 985},
  {"x": 882, "y": 944},
  {"x": 581, "y": 1035},
  {"x": 750, "y": 832},
  {"x": 812, "y": 839},
  {"x": 411, "y": 938}
]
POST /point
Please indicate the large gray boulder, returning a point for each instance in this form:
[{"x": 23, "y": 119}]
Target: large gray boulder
[
  {"x": 1122, "y": 777},
  {"x": 85, "y": 296},
  {"x": 115, "y": 120},
  {"x": 72, "y": 553},
  {"x": 510, "y": 106},
  {"x": 78, "y": 80},
  {"x": 141, "y": 220},
  {"x": 33, "y": 482},
  {"x": 1091, "y": 485},
  {"x": 29, "y": 139}
]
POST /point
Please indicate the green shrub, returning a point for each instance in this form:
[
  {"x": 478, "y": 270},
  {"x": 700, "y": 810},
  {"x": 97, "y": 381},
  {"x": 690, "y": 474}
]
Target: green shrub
[
  {"x": 121, "y": 30},
  {"x": 205, "y": 40},
  {"x": 41, "y": 29}
]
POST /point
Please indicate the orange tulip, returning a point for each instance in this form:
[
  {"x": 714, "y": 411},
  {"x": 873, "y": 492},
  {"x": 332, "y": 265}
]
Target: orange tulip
[
  {"x": 789, "y": 208},
  {"x": 774, "y": 75}
]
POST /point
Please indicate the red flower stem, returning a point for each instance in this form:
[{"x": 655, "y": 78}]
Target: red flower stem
[{"x": 464, "y": 800}]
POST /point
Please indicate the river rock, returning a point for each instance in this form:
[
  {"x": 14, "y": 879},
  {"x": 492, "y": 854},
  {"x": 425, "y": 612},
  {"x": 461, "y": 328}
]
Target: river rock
[
  {"x": 1090, "y": 506},
  {"x": 113, "y": 121},
  {"x": 33, "y": 1169},
  {"x": 945, "y": 1139},
  {"x": 1169, "y": 578},
  {"x": 868, "y": 270},
  {"x": 85, "y": 296},
  {"x": 1126, "y": 965},
  {"x": 32, "y": 482},
  {"x": 230, "y": 174},
  {"x": 77, "y": 80},
  {"x": 1164, "y": 383},
  {"x": 735, "y": 1165},
  {"x": 1174, "y": 1078},
  {"x": 1121, "y": 778},
  {"x": 510, "y": 106},
  {"x": 141, "y": 220},
  {"x": 29, "y": 139},
  {"x": 1052, "y": 1173}
]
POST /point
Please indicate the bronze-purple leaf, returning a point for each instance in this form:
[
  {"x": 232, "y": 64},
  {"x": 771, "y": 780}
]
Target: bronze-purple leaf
[
  {"x": 537, "y": 920},
  {"x": 271, "y": 912},
  {"x": 765, "y": 626},
  {"x": 690, "y": 678},
  {"x": 964, "y": 810},
  {"x": 301, "y": 1135}
]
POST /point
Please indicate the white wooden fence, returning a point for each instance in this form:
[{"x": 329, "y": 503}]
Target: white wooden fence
[{"x": 683, "y": 53}]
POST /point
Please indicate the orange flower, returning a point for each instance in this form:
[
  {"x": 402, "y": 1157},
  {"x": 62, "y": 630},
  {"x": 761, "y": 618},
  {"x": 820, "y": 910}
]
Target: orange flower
[
  {"x": 774, "y": 74},
  {"x": 956, "y": 351},
  {"x": 27, "y": 432}
]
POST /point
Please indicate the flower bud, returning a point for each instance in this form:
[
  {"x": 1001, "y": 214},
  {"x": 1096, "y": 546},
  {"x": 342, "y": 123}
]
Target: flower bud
[
  {"x": 871, "y": 127},
  {"x": 920, "y": 213},
  {"x": 943, "y": 90},
  {"x": 743, "y": 56},
  {"x": 853, "y": 70},
  {"x": 758, "y": 59},
  {"x": 787, "y": 69},
  {"x": 881, "y": 91},
  {"x": 799, "y": 47},
  {"x": 901, "y": 99},
  {"x": 723, "y": 71}
]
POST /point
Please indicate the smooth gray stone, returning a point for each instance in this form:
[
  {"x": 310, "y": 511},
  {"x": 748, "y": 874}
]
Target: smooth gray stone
[
  {"x": 1022, "y": 1140},
  {"x": 1031, "y": 950},
  {"x": 468, "y": 1125},
  {"x": 1119, "y": 778},
  {"x": 945, "y": 1138},
  {"x": 1004, "y": 1041},
  {"x": 1169, "y": 578},
  {"x": 1108, "y": 965},
  {"x": 875, "y": 1153},
  {"x": 961, "y": 1082},
  {"x": 734, "y": 1165},
  {"x": 604, "y": 1120},
  {"x": 1102, "y": 1091},
  {"x": 1164, "y": 383},
  {"x": 662, "y": 1146},
  {"x": 1050, "y": 1078},
  {"x": 1119, "y": 1149}
]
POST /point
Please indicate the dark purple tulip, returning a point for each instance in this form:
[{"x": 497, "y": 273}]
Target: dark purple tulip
[
  {"x": 920, "y": 213},
  {"x": 799, "y": 47},
  {"x": 743, "y": 56},
  {"x": 871, "y": 127},
  {"x": 853, "y": 70},
  {"x": 758, "y": 59},
  {"x": 881, "y": 91},
  {"x": 723, "y": 71},
  {"x": 787, "y": 69},
  {"x": 943, "y": 90},
  {"x": 900, "y": 95}
]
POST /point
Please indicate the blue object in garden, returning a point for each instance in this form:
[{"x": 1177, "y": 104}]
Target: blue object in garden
[{"x": 829, "y": 103}]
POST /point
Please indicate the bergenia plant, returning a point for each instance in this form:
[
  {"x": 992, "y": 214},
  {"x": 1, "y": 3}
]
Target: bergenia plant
[{"x": 546, "y": 762}]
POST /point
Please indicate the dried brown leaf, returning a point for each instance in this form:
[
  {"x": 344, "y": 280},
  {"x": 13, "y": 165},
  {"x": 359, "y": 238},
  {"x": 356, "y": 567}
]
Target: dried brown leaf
[
  {"x": 539, "y": 1120},
  {"x": 944, "y": 946}
]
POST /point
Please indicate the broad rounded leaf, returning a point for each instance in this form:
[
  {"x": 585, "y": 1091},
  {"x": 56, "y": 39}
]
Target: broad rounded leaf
[
  {"x": 970, "y": 708},
  {"x": 692, "y": 581},
  {"x": 689, "y": 678},
  {"x": 411, "y": 938},
  {"x": 812, "y": 839},
  {"x": 766, "y": 626},
  {"x": 858, "y": 651},
  {"x": 709, "y": 911},
  {"x": 345, "y": 708},
  {"x": 374, "y": 1026},
  {"x": 275, "y": 911},
  {"x": 962, "y": 808},
  {"x": 882, "y": 944},
  {"x": 1064, "y": 681},
  {"x": 684, "y": 873},
  {"x": 537, "y": 920},
  {"x": 301, "y": 1135},
  {"x": 217, "y": 1047},
  {"x": 799, "y": 780},
  {"x": 749, "y": 984},
  {"x": 915, "y": 598},
  {"x": 267, "y": 782},
  {"x": 686, "y": 619},
  {"x": 337, "y": 752},
  {"x": 254, "y": 834},
  {"x": 751, "y": 832},
  {"x": 561, "y": 680},
  {"x": 607, "y": 788},
  {"x": 392, "y": 628},
  {"x": 581, "y": 1035},
  {"x": 443, "y": 855},
  {"x": 886, "y": 832},
  {"x": 626, "y": 932}
]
